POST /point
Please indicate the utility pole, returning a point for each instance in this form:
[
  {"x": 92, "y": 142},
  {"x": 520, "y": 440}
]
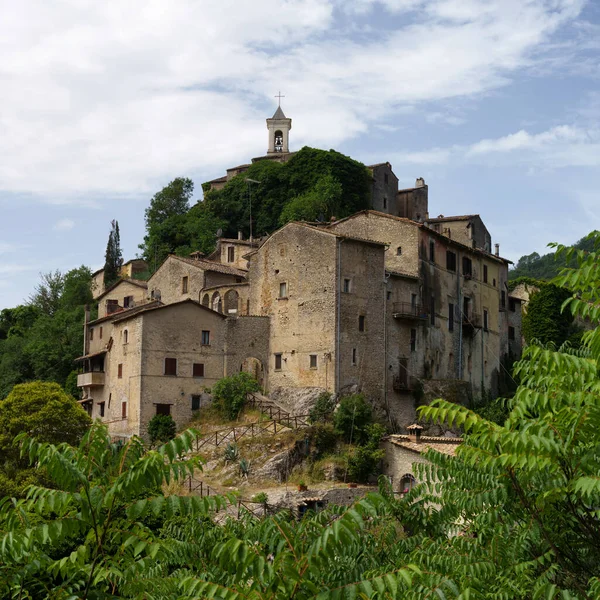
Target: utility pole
[{"x": 249, "y": 181}]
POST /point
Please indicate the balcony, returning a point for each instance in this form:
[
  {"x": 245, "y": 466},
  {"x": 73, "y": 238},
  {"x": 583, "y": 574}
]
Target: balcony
[
  {"x": 91, "y": 379},
  {"x": 409, "y": 311},
  {"x": 471, "y": 322}
]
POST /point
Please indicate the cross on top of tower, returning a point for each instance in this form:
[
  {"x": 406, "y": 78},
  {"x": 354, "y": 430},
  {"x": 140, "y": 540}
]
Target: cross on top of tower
[{"x": 279, "y": 96}]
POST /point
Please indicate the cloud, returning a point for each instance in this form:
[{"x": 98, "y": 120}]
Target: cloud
[
  {"x": 64, "y": 225},
  {"x": 109, "y": 98}
]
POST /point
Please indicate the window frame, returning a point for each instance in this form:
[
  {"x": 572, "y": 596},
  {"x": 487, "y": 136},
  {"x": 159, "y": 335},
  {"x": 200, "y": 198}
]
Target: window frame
[
  {"x": 200, "y": 368},
  {"x": 283, "y": 286},
  {"x": 313, "y": 361},
  {"x": 185, "y": 284},
  {"x": 199, "y": 398},
  {"x": 485, "y": 273},
  {"x": 172, "y": 361},
  {"x": 102, "y": 409},
  {"x": 362, "y": 323},
  {"x": 123, "y": 410},
  {"x": 347, "y": 286},
  {"x": 486, "y": 320},
  {"x": 432, "y": 251},
  {"x": 451, "y": 261},
  {"x": 354, "y": 357},
  {"x": 120, "y": 371},
  {"x": 278, "y": 361},
  {"x": 205, "y": 339},
  {"x": 413, "y": 340},
  {"x": 450, "y": 316},
  {"x": 230, "y": 254}
]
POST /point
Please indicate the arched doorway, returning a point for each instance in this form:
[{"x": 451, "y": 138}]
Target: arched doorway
[
  {"x": 217, "y": 303},
  {"x": 407, "y": 483},
  {"x": 231, "y": 302},
  {"x": 254, "y": 367},
  {"x": 206, "y": 300}
]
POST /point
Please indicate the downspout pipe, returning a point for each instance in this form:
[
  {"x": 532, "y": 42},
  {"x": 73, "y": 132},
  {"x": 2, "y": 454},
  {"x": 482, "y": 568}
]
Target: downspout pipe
[{"x": 339, "y": 310}]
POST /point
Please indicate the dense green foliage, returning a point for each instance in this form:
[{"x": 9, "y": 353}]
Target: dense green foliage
[
  {"x": 364, "y": 462},
  {"x": 322, "y": 410},
  {"x": 113, "y": 258},
  {"x": 43, "y": 410},
  {"x": 161, "y": 428},
  {"x": 229, "y": 394},
  {"x": 40, "y": 340},
  {"x": 545, "y": 321},
  {"x": 352, "y": 419},
  {"x": 546, "y": 267}
]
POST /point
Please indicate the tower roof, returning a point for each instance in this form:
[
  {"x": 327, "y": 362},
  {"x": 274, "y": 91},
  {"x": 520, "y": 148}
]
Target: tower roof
[{"x": 279, "y": 114}]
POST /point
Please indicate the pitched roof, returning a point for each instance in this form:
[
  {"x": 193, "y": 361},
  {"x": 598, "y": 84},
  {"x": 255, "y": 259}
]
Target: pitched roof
[
  {"x": 444, "y": 445},
  {"x": 147, "y": 308},
  {"x": 129, "y": 311},
  {"x": 442, "y": 219},
  {"x": 279, "y": 114},
  {"x": 352, "y": 238},
  {"x": 92, "y": 355},
  {"x": 218, "y": 179},
  {"x": 137, "y": 282}
]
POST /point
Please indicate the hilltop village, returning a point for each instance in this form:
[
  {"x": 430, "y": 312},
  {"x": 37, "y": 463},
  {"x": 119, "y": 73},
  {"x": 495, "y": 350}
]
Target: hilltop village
[{"x": 388, "y": 301}]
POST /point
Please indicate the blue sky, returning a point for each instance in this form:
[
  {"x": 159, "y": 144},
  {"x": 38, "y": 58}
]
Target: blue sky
[{"x": 495, "y": 103}]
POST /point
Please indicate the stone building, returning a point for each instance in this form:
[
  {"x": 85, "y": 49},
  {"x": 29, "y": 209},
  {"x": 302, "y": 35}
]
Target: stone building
[
  {"x": 129, "y": 270},
  {"x": 387, "y": 302}
]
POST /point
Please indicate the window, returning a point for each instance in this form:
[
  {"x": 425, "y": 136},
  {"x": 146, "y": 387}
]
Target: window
[
  {"x": 100, "y": 333},
  {"x": 413, "y": 303},
  {"x": 353, "y": 356},
  {"x": 512, "y": 305},
  {"x": 123, "y": 410},
  {"x": 101, "y": 407},
  {"x": 128, "y": 302},
  {"x": 388, "y": 295},
  {"x": 399, "y": 251},
  {"x": 413, "y": 340},
  {"x": 385, "y": 178},
  {"x": 485, "y": 274},
  {"x": 283, "y": 289},
  {"x": 125, "y": 336},
  {"x": 485, "y": 320},
  {"x": 407, "y": 483},
  {"x": 171, "y": 367},
  {"x": 112, "y": 306},
  {"x": 346, "y": 287},
  {"x": 184, "y": 285},
  {"x": 120, "y": 371},
  {"x": 450, "y": 317},
  {"x": 503, "y": 299},
  {"x": 450, "y": 261},
  {"x": 313, "y": 361},
  {"x": 230, "y": 254},
  {"x": 163, "y": 409},
  {"x": 511, "y": 333},
  {"x": 431, "y": 251},
  {"x": 196, "y": 402},
  {"x": 198, "y": 370},
  {"x": 494, "y": 282},
  {"x": 467, "y": 267},
  {"x": 466, "y": 308},
  {"x": 91, "y": 333},
  {"x": 278, "y": 361},
  {"x": 432, "y": 313},
  {"x": 385, "y": 202},
  {"x": 205, "y": 338},
  {"x": 361, "y": 323}
]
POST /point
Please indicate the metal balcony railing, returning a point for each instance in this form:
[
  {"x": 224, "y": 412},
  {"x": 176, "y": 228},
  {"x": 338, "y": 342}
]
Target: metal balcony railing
[
  {"x": 471, "y": 321},
  {"x": 407, "y": 310}
]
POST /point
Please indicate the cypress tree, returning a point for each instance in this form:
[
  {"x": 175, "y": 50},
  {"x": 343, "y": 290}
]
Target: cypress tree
[{"x": 114, "y": 256}]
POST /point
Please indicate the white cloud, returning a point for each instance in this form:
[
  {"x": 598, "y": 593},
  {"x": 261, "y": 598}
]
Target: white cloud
[
  {"x": 112, "y": 97},
  {"x": 64, "y": 225}
]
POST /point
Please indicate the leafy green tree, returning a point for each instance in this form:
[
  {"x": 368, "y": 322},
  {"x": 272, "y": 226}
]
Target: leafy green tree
[
  {"x": 229, "y": 394},
  {"x": 161, "y": 428},
  {"x": 322, "y": 409},
  {"x": 320, "y": 203},
  {"x": 545, "y": 321},
  {"x": 352, "y": 418},
  {"x": 47, "y": 294},
  {"x": 365, "y": 461},
  {"x": 114, "y": 256}
]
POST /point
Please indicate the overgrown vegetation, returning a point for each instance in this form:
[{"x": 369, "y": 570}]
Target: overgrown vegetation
[
  {"x": 230, "y": 393},
  {"x": 161, "y": 429}
]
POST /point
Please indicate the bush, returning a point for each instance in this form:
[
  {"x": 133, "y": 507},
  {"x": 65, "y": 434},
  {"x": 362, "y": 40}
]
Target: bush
[
  {"x": 324, "y": 438},
  {"x": 229, "y": 394},
  {"x": 364, "y": 461},
  {"x": 161, "y": 428},
  {"x": 322, "y": 410},
  {"x": 231, "y": 453},
  {"x": 352, "y": 418}
]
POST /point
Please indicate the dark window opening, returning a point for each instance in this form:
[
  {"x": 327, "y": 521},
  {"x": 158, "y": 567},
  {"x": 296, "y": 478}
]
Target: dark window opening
[
  {"x": 91, "y": 333},
  {"x": 353, "y": 356},
  {"x": 485, "y": 320},
  {"x": 230, "y": 254},
  {"x": 450, "y": 260},
  {"x": 431, "y": 251},
  {"x": 123, "y": 410},
  {"x": 313, "y": 361},
  {"x": 128, "y": 302},
  {"x": 384, "y": 202},
  {"x": 450, "y": 317},
  {"x": 184, "y": 285},
  {"x": 466, "y": 305},
  {"x": 171, "y": 366},
  {"x": 163, "y": 409},
  {"x": 125, "y": 336},
  {"x": 399, "y": 251},
  {"x": 361, "y": 323},
  {"x": 467, "y": 267},
  {"x": 120, "y": 371},
  {"x": 502, "y": 299},
  {"x": 196, "y": 402},
  {"x": 512, "y": 305},
  {"x": 511, "y": 333},
  {"x": 101, "y": 407},
  {"x": 346, "y": 286},
  {"x": 283, "y": 290},
  {"x": 198, "y": 370},
  {"x": 278, "y": 362},
  {"x": 485, "y": 274},
  {"x": 413, "y": 340},
  {"x": 205, "y": 338},
  {"x": 100, "y": 332}
]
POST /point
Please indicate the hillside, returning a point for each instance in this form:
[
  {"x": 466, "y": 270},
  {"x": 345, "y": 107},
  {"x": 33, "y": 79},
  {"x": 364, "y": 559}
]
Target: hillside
[{"x": 546, "y": 267}]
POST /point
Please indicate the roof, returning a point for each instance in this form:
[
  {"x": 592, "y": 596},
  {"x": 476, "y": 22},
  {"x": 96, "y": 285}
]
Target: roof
[
  {"x": 339, "y": 235},
  {"x": 401, "y": 274},
  {"x": 383, "y": 164},
  {"x": 236, "y": 241},
  {"x": 148, "y": 308},
  {"x": 239, "y": 167},
  {"x": 130, "y": 311},
  {"x": 444, "y": 445},
  {"x": 218, "y": 180},
  {"x": 207, "y": 265},
  {"x": 376, "y": 213},
  {"x": 92, "y": 355},
  {"x": 137, "y": 282},
  {"x": 222, "y": 285},
  {"x": 441, "y": 219},
  {"x": 279, "y": 114}
]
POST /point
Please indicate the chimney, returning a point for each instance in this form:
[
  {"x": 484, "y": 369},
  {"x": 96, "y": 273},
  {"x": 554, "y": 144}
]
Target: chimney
[
  {"x": 240, "y": 236},
  {"x": 497, "y": 247},
  {"x": 414, "y": 433},
  {"x": 420, "y": 182},
  {"x": 86, "y": 320}
]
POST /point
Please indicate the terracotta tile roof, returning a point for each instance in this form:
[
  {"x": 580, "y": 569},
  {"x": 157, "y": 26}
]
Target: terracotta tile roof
[
  {"x": 148, "y": 308},
  {"x": 92, "y": 355},
  {"x": 208, "y": 265},
  {"x": 341, "y": 235},
  {"x": 236, "y": 241},
  {"x": 443, "y": 445},
  {"x": 218, "y": 179},
  {"x": 401, "y": 274},
  {"x": 126, "y": 312}
]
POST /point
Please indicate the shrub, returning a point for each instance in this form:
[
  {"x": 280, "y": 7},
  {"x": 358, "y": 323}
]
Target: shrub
[
  {"x": 324, "y": 438},
  {"x": 364, "y": 461},
  {"x": 231, "y": 453},
  {"x": 352, "y": 417},
  {"x": 229, "y": 394},
  {"x": 322, "y": 410},
  {"x": 161, "y": 428},
  {"x": 244, "y": 467}
]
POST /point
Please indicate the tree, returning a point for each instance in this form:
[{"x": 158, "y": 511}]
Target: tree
[
  {"x": 229, "y": 393},
  {"x": 161, "y": 428},
  {"x": 545, "y": 321},
  {"x": 46, "y": 297},
  {"x": 352, "y": 417},
  {"x": 114, "y": 256}
]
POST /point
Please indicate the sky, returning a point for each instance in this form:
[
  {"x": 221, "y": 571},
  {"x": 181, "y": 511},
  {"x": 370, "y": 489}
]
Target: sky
[{"x": 496, "y": 103}]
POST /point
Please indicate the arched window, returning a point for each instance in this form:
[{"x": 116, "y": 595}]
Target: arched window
[
  {"x": 407, "y": 483},
  {"x": 206, "y": 300},
  {"x": 231, "y": 302},
  {"x": 125, "y": 336},
  {"x": 217, "y": 303},
  {"x": 278, "y": 141}
]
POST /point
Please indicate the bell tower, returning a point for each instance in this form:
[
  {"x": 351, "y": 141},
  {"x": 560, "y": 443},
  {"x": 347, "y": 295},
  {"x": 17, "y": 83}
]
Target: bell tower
[{"x": 279, "y": 131}]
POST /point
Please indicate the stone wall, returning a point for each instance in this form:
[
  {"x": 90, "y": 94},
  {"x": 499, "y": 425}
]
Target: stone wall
[
  {"x": 399, "y": 462},
  {"x": 247, "y": 337},
  {"x": 123, "y": 289},
  {"x": 168, "y": 281},
  {"x": 384, "y": 193}
]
